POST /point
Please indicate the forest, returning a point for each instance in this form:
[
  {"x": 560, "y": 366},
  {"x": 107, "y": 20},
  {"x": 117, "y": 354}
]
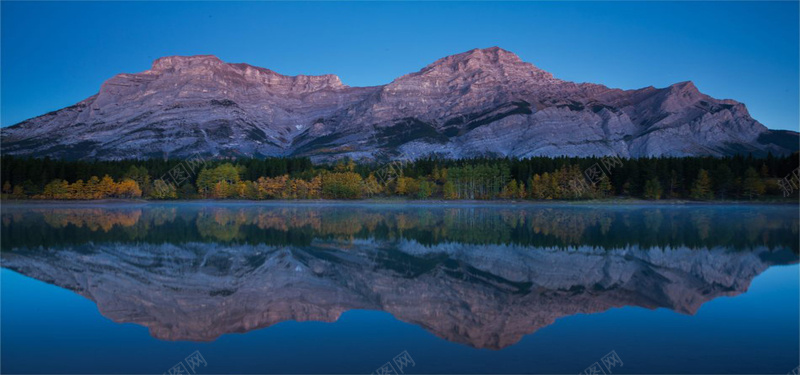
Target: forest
[{"x": 538, "y": 178}]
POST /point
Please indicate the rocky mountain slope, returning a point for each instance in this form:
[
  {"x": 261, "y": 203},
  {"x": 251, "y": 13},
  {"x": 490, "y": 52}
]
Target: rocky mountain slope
[
  {"x": 484, "y": 102},
  {"x": 484, "y": 296}
]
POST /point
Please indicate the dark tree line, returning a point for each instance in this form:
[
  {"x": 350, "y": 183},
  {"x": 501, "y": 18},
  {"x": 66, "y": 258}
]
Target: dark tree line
[
  {"x": 36, "y": 173},
  {"x": 702, "y": 178},
  {"x": 676, "y": 175}
]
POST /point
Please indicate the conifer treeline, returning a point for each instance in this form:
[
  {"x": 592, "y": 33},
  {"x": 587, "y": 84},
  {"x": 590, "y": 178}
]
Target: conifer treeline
[{"x": 700, "y": 178}]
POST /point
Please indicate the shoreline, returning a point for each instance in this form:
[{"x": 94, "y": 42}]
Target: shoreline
[{"x": 414, "y": 202}]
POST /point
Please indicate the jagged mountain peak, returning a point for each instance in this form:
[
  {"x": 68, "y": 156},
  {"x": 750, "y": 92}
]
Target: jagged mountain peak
[
  {"x": 685, "y": 85},
  {"x": 687, "y": 88},
  {"x": 180, "y": 62},
  {"x": 493, "y": 60},
  {"x": 230, "y": 73},
  {"x": 491, "y": 55},
  {"x": 482, "y": 102}
]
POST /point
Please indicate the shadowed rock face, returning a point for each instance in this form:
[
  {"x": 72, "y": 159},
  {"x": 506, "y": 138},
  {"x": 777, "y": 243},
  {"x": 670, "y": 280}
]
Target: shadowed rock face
[{"x": 484, "y": 102}]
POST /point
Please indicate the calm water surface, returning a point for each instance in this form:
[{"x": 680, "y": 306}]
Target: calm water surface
[{"x": 345, "y": 288}]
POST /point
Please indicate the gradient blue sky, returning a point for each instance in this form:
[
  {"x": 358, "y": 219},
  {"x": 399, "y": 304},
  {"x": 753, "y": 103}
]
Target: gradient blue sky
[{"x": 56, "y": 54}]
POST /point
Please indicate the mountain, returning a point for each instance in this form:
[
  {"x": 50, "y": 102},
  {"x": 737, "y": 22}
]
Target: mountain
[
  {"x": 483, "y": 296},
  {"x": 484, "y": 102},
  {"x": 478, "y": 275}
]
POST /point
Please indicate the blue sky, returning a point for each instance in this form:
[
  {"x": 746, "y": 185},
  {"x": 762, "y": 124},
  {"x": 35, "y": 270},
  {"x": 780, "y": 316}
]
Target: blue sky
[{"x": 56, "y": 54}]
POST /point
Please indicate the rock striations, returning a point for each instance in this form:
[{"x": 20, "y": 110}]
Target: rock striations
[{"x": 484, "y": 102}]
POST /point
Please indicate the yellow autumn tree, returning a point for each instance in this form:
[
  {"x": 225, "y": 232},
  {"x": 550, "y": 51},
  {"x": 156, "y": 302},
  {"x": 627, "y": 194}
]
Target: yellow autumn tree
[
  {"x": 92, "y": 188},
  {"x": 128, "y": 188},
  {"x": 163, "y": 190},
  {"x": 56, "y": 189},
  {"x": 406, "y": 186},
  {"x": 272, "y": 187},
  {"x": 372, "y": 186},
  {"x": 341, "y": 185},
  {"x": 106, "y": 187},
  {"x": 76, "y": 190},
  {"x": 315, "y": 188}
]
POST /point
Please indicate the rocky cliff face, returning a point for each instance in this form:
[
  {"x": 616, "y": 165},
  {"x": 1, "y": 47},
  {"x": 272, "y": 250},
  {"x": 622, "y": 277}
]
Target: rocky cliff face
[
  {"x": 485, "y": 296},
  {"x": 484, "y": 102}
]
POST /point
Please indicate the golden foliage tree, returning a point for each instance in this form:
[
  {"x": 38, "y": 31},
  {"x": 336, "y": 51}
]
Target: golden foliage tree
[{"x": 341, "y": 185}]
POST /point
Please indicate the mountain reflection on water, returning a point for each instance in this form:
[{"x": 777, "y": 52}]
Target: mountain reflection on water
[{"x": 481, "y": 275}]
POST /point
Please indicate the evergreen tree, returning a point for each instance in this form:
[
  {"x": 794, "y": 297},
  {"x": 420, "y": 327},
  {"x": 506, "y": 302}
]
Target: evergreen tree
[
  {"x": 723, "y": 181},
  {"x": 604, "y": 188},
  {"x": 753, "y": 185},
  {"x": 652, "y": 189},
  {"x": 425, "y": 190},
  {"x": 674, "y": 183},
  {"x": 449, "y": 190},
  {"x": 701, "y": 189}
]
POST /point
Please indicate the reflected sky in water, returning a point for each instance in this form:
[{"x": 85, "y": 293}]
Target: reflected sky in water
[{"x": 343, "y": 288}]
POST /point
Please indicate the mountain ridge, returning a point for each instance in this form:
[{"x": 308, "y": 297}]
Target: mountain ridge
[
  {"x": 483, "y": 102},
  {"x": 494, "y": 297}
]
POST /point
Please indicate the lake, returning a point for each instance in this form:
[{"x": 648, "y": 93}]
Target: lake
[{"x": 212, "y": 288}]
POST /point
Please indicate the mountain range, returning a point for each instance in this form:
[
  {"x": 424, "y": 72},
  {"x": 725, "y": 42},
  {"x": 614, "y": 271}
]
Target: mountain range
[
  {"x": 483, "y": 296},
  {"x": 484, "y": 102},
  {"x": 481, "y": 276}
]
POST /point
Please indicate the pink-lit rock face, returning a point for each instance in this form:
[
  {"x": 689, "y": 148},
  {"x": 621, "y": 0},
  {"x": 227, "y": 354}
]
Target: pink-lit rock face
[
  {"x": 484, "y": 296},
  {"x": 484, "y": 102}
]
